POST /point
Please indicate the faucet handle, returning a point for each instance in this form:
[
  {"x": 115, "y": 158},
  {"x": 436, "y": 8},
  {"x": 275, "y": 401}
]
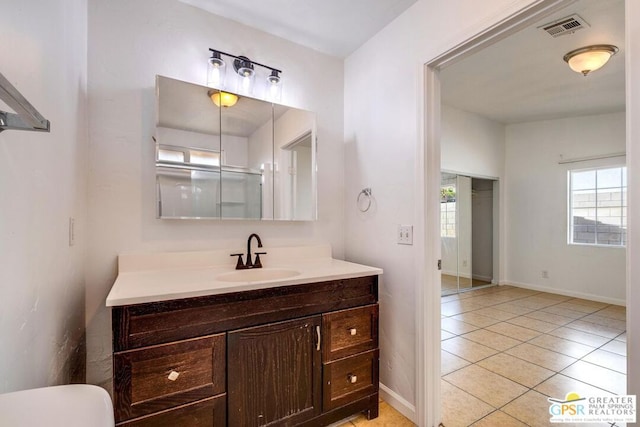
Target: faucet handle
[
  {"x": 257, "y": 263},
  {"x": 240, "y": 264}
]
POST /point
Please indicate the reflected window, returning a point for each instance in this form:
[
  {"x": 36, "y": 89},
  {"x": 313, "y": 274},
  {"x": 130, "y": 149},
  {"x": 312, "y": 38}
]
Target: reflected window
[
  {"x": 188, "y": 156},
  {"x": 598, "y": 206},
  {"x": 167, "y": 155},
  {"x": 448, "y": 210},
  {"x": 206, "y": 158}
]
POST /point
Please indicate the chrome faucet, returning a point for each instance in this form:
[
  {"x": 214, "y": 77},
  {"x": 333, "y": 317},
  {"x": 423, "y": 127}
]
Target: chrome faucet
[{"x": 250, "y": 264}]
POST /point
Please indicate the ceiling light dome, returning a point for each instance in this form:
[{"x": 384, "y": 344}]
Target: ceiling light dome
[
  {"x": 223, "y": 99},
  {"x": 590, "y": 58}
]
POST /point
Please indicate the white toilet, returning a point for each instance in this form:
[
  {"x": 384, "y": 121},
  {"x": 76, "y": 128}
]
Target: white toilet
[{"x": 76, "y": 405}]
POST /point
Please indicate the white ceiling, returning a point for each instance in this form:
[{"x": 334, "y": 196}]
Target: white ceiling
[
  {"x": 521, "y": 78},
  {"x": 524, "y": 78},
  {"x": 336, "y": 27}
]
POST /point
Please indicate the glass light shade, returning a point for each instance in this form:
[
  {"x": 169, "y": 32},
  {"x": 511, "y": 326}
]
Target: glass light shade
[
  {"x": 246, "y": 74},
  {"x": 590, "y": 58},
  {"x": 245, "y": 83},
  {"x": 223, "y": 99},
  {"x": 274, "y": 87},
  {"x": 216, "y": 71}
]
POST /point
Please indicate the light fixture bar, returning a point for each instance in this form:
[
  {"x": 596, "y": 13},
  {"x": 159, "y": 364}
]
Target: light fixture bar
[{"x": 244, "y": 58}]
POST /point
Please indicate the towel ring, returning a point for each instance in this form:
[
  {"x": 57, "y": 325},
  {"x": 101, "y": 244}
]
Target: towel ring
[{"x": 364, "y": 194}]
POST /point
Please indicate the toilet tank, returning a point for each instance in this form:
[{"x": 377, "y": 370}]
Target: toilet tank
[{"x": 75, "y": 405}]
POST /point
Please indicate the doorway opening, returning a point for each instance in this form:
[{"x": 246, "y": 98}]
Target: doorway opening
[
  {"x": 298, "y": 161},
  {"x": 428, "y": 387}
]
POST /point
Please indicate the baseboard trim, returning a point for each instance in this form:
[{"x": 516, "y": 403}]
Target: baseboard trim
[
  {"x": 399, "y": 403},
  {"x": 568, "y": 293}
]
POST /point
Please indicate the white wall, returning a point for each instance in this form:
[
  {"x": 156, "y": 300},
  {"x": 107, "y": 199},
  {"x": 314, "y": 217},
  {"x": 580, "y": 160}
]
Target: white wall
[
  {"x": 42, "y": 185},
  {"x": 536, "y": 207},
  {"x": 383, "y": 140},
  {"x": 129, "y": 43},
  {"x": 471, "y": 144}
]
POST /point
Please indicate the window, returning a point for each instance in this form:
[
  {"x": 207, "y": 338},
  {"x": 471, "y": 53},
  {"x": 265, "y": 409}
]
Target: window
[
  {"x": 598, "y": 206},
  {"x": 448, "y": 210}
]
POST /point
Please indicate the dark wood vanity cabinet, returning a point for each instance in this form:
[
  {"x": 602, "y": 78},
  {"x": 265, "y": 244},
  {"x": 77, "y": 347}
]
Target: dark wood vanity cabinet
[{"x": 286, "y": 356}]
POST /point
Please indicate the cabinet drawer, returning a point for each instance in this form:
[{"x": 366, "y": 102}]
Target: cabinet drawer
[
  {"x": 165, "y": 376},
  {"x": 349, "y": 379},
  {"x": 349, "y": 332},
  {"x": 206, "y": 413},
  {"x": 136, "y": 326}
]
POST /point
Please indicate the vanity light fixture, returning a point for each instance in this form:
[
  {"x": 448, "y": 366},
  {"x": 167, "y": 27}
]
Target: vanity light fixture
[
  {"x": 246, "y": 72},
  {"x": 590, "y": 58},
  {"x": 222, "y": 99},
  {"x": 274, "y": 87},
  {"x": 244, "y": 68},
  {"x": 215, "y": 75}
]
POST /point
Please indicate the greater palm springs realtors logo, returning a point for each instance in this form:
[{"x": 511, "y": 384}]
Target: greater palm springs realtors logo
[{"x": 606, "y": 409}]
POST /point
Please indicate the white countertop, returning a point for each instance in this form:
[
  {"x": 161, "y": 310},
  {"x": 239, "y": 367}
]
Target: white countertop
[{"x": 166, "y": 276}]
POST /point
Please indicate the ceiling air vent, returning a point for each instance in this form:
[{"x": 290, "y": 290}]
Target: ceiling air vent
[{"x": 567, "y": 25}]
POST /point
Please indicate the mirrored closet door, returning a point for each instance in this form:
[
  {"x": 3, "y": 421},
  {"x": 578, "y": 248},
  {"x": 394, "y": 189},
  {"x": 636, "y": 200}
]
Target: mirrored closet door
[{"x": 467, "y": 232}]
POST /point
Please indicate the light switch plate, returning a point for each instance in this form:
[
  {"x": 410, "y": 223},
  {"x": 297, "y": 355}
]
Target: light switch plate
[{"x": 405, "y": 234}]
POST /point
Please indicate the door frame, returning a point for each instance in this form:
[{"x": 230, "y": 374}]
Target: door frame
[{"x": 428, "y": 345}]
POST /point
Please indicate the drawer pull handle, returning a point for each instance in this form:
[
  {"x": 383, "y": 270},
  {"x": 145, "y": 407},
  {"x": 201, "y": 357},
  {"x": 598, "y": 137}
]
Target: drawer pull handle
[
  {"x": 173, "y": 376},
  {"x": 319, "y": 338},
  {"x": 353, "y": 331},
  {"x": 352, "y": 378}
]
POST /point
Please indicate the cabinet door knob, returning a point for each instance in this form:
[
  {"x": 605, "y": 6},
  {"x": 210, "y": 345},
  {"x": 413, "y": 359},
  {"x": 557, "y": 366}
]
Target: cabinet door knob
[
  {"x": 173, "y": 376},
  {"x": 352, "y": 378},
  {"x": 353, "y": 331}
]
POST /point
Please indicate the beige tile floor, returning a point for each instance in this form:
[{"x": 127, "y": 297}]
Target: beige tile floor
[
  {"x": 506, "y": 349},
  {"x": 387, "y": 417}
]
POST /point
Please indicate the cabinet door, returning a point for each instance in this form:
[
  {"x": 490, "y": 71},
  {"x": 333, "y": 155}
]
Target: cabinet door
[{"x": 274, "y": 373}]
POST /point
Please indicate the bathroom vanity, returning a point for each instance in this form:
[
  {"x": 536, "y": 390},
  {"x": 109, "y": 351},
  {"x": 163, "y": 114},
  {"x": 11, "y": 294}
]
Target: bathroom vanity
[{"x": 202, "y": 346}]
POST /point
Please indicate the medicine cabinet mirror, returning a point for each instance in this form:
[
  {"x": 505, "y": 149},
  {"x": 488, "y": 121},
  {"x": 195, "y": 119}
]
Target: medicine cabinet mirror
[{"x": 250, "y": 160}]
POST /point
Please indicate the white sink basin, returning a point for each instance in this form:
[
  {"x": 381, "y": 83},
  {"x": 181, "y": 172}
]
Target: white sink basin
[
  {"x": 77, "y": 405},
  {"x": 257, "y": 275}
]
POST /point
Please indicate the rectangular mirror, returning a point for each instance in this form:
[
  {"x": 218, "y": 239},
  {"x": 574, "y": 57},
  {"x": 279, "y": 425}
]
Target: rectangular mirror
[
  {"x": 247, "y": 131},
  {"x": 294, "y": 149},
  {"x": 225, "y": 156},
  {"x": 188, "y": 151}
]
